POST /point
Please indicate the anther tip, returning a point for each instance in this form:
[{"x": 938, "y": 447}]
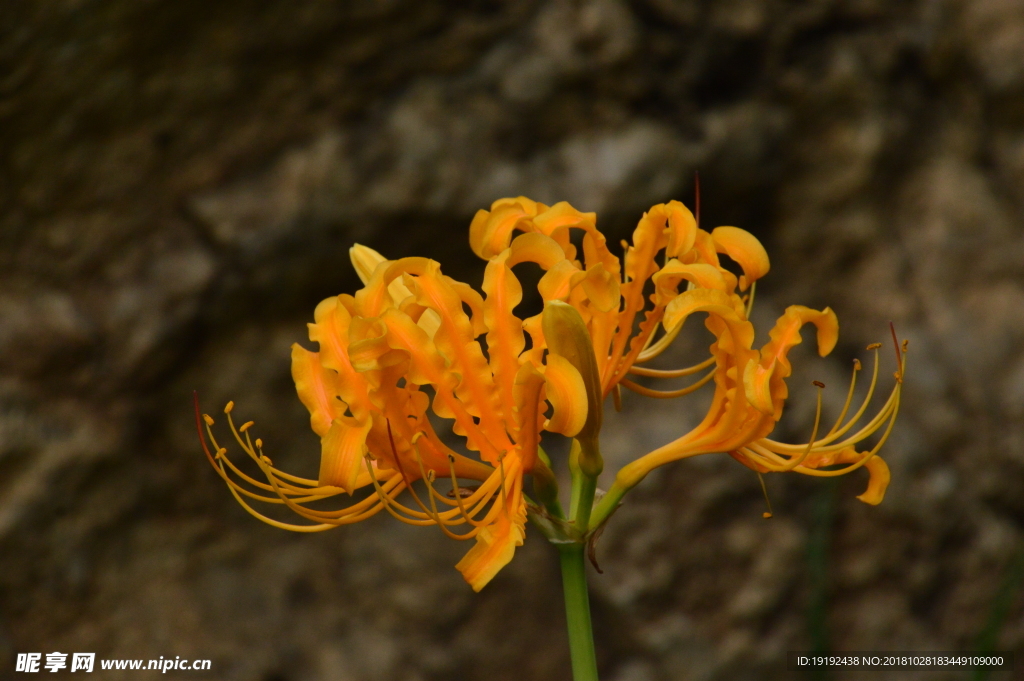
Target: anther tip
[
  {"x": 220, "y": 452},
  {"x": 266, "y": 459},
  {"x": 818, "y": 383},
  {"x": 766, "y": 515},
  {"x": 259, "y": 443},
  {"x": 906, "y": 344},
  {"x": 208, "y": 419},
  {"x": 856, "y": 364},
  {"x": 246, "y": 426},
  {"x": 228, "y": 407},
  {"x": 874, "y": 346}
]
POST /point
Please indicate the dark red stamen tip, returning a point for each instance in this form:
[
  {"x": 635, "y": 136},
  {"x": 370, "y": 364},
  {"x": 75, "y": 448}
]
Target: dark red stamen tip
[{"x": 896, "y": 344}]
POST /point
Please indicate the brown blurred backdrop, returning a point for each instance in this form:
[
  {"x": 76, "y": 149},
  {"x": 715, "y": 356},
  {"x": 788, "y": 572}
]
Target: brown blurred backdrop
[{"x": 180, "y": 182}]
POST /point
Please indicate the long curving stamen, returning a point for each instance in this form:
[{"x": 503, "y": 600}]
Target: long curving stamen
[
  {"x": 866, "y": 431},
  {"x": 787, "y": 449},
  {"x": 667, "y": 394},
  {"x": 849, "y": 398},
  {"x": 765, "y": 457},
  {"x": 862, "y": 461},
  {"x": 390, "y": 504},
  {"x": 276, "y": 523},
  {"x": 750, "y": 300},
  {"x": 896, "y": 345},
  {"x": 458, "y": 497},
  {"x": 309, "y": 514},
  {"x": 427, "y": 477},
  {"x": 660, "y": 346},
  {"x": 886, "y": 414},
  {"x": 234, "y": 489},
  {"x": 354, "y": 513},
  {"x": 814, "y": 433},
  {"x": 427, "y": 517},
  {"x": 764, "y": 490},
  {"x": 250, "y": 450},
  {"x": 673, "y": 373}
]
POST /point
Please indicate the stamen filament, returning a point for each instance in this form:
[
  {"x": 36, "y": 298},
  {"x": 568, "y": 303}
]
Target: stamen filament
[
  {"x": 781, "y": 447},
  {"x": 849, "y": 399},
  {"x": 861, "y": 462},
  {"x": 667, "y": 394},
  {"x": 764, "y": 490},
  {"x": 660, "y": 346},
  {"x": 343, "y": 516},
  {"x": 431, "y": 492},
  {"x": 814, "y": 434},
  {"x": 458, "y": 497},
  {"x": 390, "y": 505},
  {"x": 673, "y": 373}
]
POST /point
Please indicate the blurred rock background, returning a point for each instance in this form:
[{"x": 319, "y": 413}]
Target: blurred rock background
[{"x": 180, "y": 182}]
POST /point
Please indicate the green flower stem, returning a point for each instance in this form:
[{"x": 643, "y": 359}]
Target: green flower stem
[
  {"x": 577, "y": 478},
  {"x": 584, "y": 482},
  {"x": 609, "y": 502},
  {"x": 577, "y": 612},
  {"x": 587, "y": 488}
]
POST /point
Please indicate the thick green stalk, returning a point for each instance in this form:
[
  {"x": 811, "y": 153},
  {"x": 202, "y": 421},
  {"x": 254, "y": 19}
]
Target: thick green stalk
[
  {"x": 587, "y": 488},
  {"x": 577, "y": 612}
]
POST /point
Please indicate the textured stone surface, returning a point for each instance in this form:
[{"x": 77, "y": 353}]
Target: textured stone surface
[{"x": 179, "y": 187}]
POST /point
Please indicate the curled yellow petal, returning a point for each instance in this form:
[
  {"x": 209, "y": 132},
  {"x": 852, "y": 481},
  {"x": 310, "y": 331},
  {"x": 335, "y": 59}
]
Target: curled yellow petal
[
  {"x": 567, "y": 394},
  {"x": 682, "y": 229},
  {"x": 877, "y": 483},
  {"x": 757, "y": 386},
  {"x": 535, "y": 247},
  {"x": 563, "y": 216},
  {"x": 878, "y": 470},
  {"x": 494, "y": 548},
  {"x": 369, "y": 349},
  {"x": 602, "y": 288},
  {"x": 342, "y": 452},
  {"x": 666, "y": 280},
  {"x": 745, "y": 249},
  {"x": 700, "y": 300},
  {"x": 558, "y": 281},
  {"x": 567, "y": 337},
  {"x": 786, "y": 332},
  {"x": 317, "y": 388},
  {"x": 491, "y": 231}
]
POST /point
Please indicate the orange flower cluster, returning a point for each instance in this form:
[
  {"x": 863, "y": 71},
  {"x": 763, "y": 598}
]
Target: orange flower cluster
[{"x": 414, "y": 341}]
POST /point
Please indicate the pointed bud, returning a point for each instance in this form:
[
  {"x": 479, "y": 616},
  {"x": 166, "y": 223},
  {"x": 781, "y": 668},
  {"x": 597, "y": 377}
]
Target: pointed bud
[
  {"x": 566, "y": 335},
  {"x": 365, "y": 260}
]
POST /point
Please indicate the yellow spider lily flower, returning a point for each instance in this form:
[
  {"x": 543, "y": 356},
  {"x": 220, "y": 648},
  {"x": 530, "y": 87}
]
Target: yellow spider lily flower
[
  {"x": 410, "y": 341},
  {"x": 750, "y": 388},
  {"x": 407, "y": 330}
]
